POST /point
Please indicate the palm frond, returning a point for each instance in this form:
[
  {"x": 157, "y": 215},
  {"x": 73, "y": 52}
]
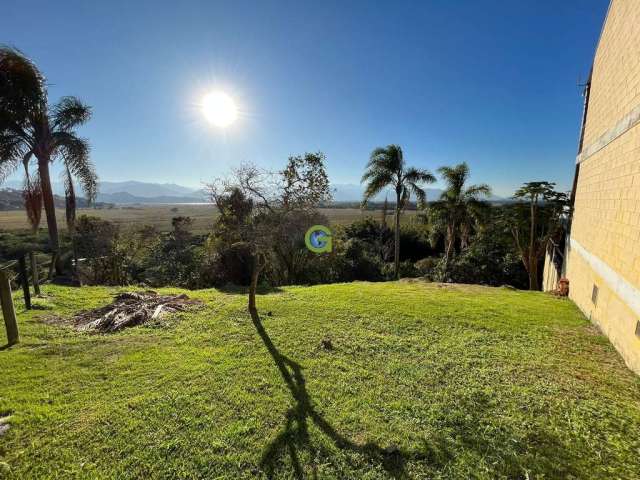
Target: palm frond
[
  {"x": 75, "y": 154},
  {"x": 12, "y": 152},
  {"x": 383, "y": 169},
  {"x": 419, "y": 192},
  {"x": 376, "y": 184},
  {"x": 22, "y": 87},
  {"x": 387, "y": 158},
  {"x": 454, "y": 177},
  {"x": 475, "y": 191},
  {"x": 414, "y": 177},
  {"x": 8, "y": 165},
  {"x": 33, "y": 200},
  {"x": 69, "y": 199},
  {"x": 68, "y": 113},
  {"x": 417, "y": 175}
]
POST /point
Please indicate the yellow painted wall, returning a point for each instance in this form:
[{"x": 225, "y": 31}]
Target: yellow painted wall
[
  {"x": 606, "y": 220},
  {"x": 615, "y": 85},
  {"x": 612, "y": 315}
]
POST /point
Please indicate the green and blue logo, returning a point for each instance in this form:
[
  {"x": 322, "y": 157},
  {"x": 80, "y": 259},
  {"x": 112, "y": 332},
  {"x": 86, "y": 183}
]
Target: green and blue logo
[{"x": 318, "y": 239}]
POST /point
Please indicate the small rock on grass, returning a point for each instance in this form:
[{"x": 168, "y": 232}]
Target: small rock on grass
[{"x": 4, "y": 425}]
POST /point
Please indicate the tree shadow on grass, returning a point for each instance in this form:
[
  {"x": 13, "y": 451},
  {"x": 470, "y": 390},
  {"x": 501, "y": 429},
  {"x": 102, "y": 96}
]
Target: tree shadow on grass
[
  {"x": 437, "y": 452},
  {"x": 294, "y": 438}
]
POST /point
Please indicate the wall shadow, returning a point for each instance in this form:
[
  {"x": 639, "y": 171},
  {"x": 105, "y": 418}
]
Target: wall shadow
[{"x": 294, "y": 437}]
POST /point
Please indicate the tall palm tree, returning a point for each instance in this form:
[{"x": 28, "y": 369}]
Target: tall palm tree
[
  {"x": 31, "y": 128},
  {"x": 459, "y": 209},
  {"x": 386, "y": 168}
]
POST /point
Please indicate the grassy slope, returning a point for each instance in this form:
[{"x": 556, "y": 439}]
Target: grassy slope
[{"x": 424, "y": 382}]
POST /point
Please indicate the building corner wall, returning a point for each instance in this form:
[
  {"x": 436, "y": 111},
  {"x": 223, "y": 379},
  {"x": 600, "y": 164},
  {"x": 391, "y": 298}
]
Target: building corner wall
[
  {"x": 600, "y": 294},
  {"x": 602, "y": 260}
]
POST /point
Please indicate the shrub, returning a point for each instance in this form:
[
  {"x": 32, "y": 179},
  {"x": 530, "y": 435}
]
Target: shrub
[
  {"x": 406, "y": 269},
  {"x": 415, "y": 243},
  {"x": 178, "y": 258},
  {"x": 487, "y": 261},
  {"x": 229, "y": 264},
  {"x": 425, "y": 266}
]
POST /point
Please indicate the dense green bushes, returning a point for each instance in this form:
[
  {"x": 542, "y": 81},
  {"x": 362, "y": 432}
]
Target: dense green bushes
[{"x": 362, "y": 250}]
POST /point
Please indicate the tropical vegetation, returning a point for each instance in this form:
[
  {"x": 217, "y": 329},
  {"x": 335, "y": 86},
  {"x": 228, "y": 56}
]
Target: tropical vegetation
[
  {"x": 31, "y": 128},
  {"x": 460, "y": 210},
  {"x": 387, "y": 168}
]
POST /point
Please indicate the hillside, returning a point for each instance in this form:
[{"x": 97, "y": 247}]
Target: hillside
[
  {"x": 423, "y": 381},
  {"x": 11, "y": 199}
]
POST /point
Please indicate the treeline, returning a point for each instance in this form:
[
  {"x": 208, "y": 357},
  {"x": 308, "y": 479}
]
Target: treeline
[
  {"x": 262, "y": 222},
  {"x": 362, "y": 250}
]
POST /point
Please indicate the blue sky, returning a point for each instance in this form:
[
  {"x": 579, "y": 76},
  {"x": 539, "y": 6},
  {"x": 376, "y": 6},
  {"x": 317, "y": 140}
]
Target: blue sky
[{"x": 493, "y": 83}]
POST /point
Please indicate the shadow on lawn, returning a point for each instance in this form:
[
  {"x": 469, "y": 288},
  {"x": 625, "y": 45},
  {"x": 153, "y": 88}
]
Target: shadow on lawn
[
  {"x": 549, "y": 456},
  {"x": 295, "y": 436}
]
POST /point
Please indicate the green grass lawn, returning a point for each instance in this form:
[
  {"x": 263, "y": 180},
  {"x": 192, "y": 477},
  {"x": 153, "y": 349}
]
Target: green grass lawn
[{"x": 424, "y": 381}]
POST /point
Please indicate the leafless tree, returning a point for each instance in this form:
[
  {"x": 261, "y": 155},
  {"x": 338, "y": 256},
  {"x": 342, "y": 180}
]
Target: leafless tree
[{"x": 258, "y": 207}]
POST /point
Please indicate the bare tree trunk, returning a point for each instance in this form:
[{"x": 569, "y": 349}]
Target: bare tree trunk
[
  {"x": 396, "y": 251},
  {"x": 533, "y": 273},
  {"x": 253, "y": 287},
  {"x": 449, "y": 242},
  {"x": 50, "y": 209},
  {"x": 533, "y": 260},
  {"x": 464, "y": 237}
]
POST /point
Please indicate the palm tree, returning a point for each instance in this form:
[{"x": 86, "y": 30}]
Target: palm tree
[
  {"x": 31, "y": 128},
  {"x": 386, "y": 168},
  {"x": 459, "y": 210}
]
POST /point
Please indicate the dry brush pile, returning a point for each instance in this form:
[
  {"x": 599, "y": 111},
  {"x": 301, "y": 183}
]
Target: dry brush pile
[{"x": 132, "y": 308}]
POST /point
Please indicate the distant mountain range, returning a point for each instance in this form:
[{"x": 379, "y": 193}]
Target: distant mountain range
[
  {"x": 145, "y": 190},
  {"x": 11, "y": 199},
  {"x": 134, "y": 192},
  {"x": 352, "y": 192}
]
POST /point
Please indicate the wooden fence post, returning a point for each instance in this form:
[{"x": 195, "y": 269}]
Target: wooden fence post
[
  {"x": 34, "y": 273},
  {"x": 24, "y": 280},
  {"x": 8, "y": 312}
]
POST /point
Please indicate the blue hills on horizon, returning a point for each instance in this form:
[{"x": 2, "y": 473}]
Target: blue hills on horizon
[{"x": 132, "y": 192}]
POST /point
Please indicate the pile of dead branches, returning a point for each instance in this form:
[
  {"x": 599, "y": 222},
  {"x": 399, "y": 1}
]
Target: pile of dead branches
[{"x": 131, "y": 308}]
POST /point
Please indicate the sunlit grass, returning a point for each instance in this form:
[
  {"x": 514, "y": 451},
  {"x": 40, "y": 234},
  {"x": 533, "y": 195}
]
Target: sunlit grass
[{"x": 423, "y": 381}]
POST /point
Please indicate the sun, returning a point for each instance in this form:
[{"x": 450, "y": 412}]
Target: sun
[{"x": 219, "y": 109}]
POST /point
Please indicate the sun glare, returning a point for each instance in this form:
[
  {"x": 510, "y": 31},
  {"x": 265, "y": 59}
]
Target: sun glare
[{"x": 219, "y": 109}]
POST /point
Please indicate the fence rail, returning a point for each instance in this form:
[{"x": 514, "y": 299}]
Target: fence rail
[{"x": 27, "y": 268}]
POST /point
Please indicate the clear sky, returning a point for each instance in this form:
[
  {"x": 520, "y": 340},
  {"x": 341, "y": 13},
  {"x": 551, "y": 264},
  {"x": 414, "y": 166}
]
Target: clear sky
[{"x": 493, "y": 83}]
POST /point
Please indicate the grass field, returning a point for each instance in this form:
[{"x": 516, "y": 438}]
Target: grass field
[
  {"x": 160, "y": 216},
  {"x": 424, "y": 381}
]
